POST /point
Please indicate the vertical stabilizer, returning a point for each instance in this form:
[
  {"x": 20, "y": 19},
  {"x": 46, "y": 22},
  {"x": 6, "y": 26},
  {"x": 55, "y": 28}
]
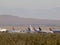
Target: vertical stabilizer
[{"x": 31, "y": 28}]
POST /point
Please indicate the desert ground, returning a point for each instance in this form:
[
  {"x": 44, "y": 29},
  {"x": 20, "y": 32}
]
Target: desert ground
[{"x": 24, "y": 27}]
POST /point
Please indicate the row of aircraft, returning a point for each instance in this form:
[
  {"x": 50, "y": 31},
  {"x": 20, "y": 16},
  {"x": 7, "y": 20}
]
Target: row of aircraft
[
  {"x": 30, "y": 29},
  {"x": 39, "y": 30}
]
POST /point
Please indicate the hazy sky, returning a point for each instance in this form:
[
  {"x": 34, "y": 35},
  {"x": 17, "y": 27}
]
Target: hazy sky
[
  {"x": 30, "y": 3},
  {"x": 27, "y": 6}
]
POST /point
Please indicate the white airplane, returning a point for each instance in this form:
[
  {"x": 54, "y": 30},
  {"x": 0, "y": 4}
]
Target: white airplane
[
  {"x": 3, "y": 30},
  {"x": 47, "y": 31},
  {"x": 56, "y": 30},
  {"x": 17, "y": 31}
]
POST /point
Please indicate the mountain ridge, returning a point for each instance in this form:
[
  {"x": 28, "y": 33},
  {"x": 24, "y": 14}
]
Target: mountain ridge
[{"x": 9, "y": 19}]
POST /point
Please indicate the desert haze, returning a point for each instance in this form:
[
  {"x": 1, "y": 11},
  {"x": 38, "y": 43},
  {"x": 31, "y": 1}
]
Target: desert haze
[{"x": 8, "y": 20}]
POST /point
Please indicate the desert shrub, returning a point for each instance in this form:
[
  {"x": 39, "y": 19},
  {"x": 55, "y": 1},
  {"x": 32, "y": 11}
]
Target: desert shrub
[{"x": 29, "y": 39}]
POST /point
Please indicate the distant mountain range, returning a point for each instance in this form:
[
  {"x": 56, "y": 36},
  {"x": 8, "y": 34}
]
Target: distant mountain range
[{"x": 14, "y": 20}]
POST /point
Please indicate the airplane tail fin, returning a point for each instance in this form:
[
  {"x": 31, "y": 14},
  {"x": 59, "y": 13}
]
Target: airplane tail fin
[
  {"x": 40, "y": 29},
  {"x": 50, "y": 29}
]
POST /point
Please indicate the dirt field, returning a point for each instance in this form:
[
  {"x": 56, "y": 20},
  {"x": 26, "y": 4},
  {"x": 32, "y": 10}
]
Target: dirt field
[{"x": 25, "y": 27}]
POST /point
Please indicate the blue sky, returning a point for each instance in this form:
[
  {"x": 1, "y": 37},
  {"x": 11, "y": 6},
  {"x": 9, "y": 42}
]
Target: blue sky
[{"x": 43, "y": 9}]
